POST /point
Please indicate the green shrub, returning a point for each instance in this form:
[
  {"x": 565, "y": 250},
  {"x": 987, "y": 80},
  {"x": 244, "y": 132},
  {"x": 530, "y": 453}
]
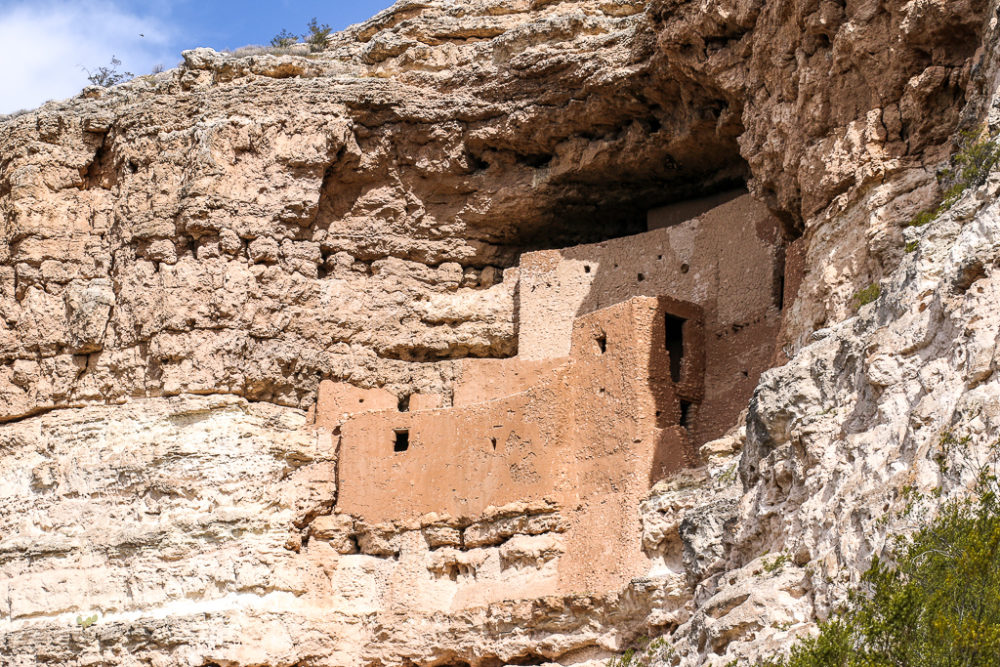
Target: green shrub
[
  {"x": 317, "y": 35},
  {"x": 867, "y": 295},
  {"x": 974, "y": 161},
  {"x": 926, "y": 217},
  {"x": 284, "y": 39},
  {"x": 774, "y": 565},
  {"x": 108, "y": 76},
  {"x": 911, "y": 246},
  {"x": 970, "y": 167},
  {"x": 935, "y": 599},
  {"x": 86, "y": 622},
  {"x": 645, "y": 654}
]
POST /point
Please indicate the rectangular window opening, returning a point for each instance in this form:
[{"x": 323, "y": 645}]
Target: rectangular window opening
[
  {"x": 402, "y": 440},
  {"x": 675, "y": 344}
]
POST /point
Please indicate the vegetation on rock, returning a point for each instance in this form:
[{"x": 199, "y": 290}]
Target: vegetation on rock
[
  {"x": 971, "y": 166},
  {"x": 867, "y": 295},
  {"x": 284, "y": 39},
  {"x": 108, "y": 76},
  {"x": 318, "y": 35},
  {"x": 934, "y": 599},
  {"x": 647, "y": 652}
]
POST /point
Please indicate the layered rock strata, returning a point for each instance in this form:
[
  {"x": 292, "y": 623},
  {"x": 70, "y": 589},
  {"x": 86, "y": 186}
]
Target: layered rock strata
[{"x": 185, "y": 257}]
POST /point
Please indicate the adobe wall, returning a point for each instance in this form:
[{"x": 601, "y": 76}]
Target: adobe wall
[
  {"x": 481, "y": 380},
  {"x": 729, "y": 261},
  {"x": 342, "y": 399},
  {"x": 682, "y": 211},
  {"x": 587, "y": 439}
]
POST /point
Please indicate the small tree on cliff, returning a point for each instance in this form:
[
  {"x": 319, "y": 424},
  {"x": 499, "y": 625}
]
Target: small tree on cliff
[
  {"x": 108, "y": 76},
  {"x": 284, "y": 39},
  {"x": 317, "y": 35}
]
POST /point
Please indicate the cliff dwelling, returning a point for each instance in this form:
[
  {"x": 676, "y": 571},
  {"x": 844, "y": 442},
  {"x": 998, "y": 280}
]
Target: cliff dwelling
[
  {"x": 632, "y": 352},
  {"x": 493, "y": 333}
]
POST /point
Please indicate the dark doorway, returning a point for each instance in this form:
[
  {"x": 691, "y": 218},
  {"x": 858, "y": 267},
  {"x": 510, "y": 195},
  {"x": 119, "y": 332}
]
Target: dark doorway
[{"x": 675, "y": 345}]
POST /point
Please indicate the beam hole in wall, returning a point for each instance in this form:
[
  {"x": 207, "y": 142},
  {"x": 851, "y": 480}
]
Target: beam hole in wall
[
  {"x": 675, "y": 344},
  {"x": 641, "y": 277},
  {"x": 602, "y": 343},
  {"x": 402, "y": 442},
  {"x": 685, "y": 268},
  {"x": 586, "y": 268}
]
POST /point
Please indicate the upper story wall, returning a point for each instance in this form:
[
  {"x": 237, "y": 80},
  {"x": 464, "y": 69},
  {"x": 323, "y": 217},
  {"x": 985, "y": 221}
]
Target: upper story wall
[
  {"x": 682, "y": 211},
  {"x": 729, "y": 261}
]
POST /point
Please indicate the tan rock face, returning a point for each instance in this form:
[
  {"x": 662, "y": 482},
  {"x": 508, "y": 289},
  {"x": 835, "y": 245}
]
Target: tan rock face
[
  {"x": 245, "y": 227},
  {"x": 225, "y": 244},
  {"x": 834, "y": 95}
]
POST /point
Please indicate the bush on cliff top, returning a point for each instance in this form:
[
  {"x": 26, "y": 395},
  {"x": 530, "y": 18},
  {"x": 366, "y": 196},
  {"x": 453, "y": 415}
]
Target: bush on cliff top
[
  {"x": 108, "y": 76},
  {"x": 934, "y": 601},
  {"x": 317, "y": 36},
  {"x": 284, "y": 39}
]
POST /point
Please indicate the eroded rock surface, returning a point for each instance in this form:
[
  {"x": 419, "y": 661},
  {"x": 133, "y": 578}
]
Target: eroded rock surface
[{"x": 243, "y": 227}]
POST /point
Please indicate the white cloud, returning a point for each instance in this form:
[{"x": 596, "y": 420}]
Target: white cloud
[{"x": 45, "y": 46}]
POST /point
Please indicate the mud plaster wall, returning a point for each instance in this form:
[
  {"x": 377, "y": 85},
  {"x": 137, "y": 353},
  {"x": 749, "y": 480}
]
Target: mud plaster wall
[
  {"x": 486, "y": 379},
  {"x": 729, "y": 261},
  {"x": 674, "y": 214},
  {"x": 590, "y": 437}
]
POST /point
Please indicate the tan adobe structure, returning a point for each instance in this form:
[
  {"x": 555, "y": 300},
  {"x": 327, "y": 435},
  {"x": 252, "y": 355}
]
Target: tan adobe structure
[
  {"x": 619, "y": 378},
  {"x": 587, "y": 438},
  {"x": 729, "y": 261}
]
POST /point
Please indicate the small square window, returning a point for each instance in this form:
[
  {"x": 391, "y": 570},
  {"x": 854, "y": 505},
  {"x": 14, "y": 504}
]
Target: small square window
[{"x": 402, "y": 440}]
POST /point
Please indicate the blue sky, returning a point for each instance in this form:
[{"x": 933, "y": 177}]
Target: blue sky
[{"x": 46, "y": 45}]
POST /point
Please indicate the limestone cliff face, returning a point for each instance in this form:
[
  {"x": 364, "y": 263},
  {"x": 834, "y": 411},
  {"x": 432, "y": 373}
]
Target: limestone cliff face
[{"x": 183, "y": 258}]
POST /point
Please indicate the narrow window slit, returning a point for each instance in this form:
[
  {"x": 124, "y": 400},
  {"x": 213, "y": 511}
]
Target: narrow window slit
[
  {"x": 602, "y": 343},
  {"x": 404, "y": 403},
  {"x": 675, "y": 345},
  {"x": 685, "y": 413}
]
